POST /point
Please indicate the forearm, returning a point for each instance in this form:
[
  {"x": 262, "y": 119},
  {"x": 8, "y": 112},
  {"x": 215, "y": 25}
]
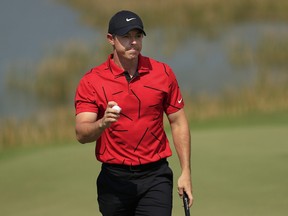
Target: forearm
[
  {"x": 89, "y": 128},
  {"x": 181, "y": 139},
  {"x": 87, "y": 132}
]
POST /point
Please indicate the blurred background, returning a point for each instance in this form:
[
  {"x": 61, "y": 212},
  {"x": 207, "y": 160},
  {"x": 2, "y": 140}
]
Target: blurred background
[{"x": 231, "y": 61}]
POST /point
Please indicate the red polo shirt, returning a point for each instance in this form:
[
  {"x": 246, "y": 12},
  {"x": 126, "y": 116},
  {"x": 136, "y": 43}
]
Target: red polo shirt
[{"x": 138, "y": 137}]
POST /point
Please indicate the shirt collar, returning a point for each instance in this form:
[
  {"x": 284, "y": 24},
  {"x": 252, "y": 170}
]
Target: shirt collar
[{"x": 143, "y": 65}]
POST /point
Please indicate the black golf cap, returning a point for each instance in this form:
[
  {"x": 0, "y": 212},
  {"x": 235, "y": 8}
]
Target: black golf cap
[{"x": 123, "y": 22}]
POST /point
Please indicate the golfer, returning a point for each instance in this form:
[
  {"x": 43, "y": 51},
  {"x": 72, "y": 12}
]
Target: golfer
[{"x": 131, "y": 143}]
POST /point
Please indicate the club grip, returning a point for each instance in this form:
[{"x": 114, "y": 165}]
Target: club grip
[{"x": 186, "y": 204}]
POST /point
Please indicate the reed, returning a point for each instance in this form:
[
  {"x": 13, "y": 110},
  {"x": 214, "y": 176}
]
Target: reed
[
  {"x": 196, "y": 15},
  {"x": 56, "y": 76},
  {"x": 265, "y": 100},
  {"x": 56, "y": 125},
  {"x": 45, "y": 128}
]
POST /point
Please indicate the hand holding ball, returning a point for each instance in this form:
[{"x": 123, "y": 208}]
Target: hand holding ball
[{"x": 116, "y": 107}]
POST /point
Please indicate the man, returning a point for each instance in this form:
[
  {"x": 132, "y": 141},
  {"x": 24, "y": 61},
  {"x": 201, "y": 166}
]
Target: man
[{"x": 131, "y": 143}]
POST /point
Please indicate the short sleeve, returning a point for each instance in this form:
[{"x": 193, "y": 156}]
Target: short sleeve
[
  {"x": 85, "y": 97},
  {"x": 174, "y": 100}
]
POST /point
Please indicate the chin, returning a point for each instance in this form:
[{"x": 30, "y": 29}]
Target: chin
[{"x": 133, "y": 56}]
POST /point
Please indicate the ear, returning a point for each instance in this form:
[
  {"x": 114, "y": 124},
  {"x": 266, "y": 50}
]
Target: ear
[{"x": 110, "y": 39}]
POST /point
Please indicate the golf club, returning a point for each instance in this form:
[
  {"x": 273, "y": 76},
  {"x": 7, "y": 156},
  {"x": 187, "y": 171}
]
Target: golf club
[{"x": 186, "y": 204}]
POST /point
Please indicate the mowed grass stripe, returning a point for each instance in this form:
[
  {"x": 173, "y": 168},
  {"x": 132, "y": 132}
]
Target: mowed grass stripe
[{"x": 240, "y": 171}]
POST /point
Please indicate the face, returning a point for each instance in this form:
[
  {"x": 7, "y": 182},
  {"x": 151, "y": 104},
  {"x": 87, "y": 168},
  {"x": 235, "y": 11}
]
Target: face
[{"x": 127, "y": 46}]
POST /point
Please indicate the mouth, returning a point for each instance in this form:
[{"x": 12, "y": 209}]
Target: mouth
[
  {"x": 133, "y": 54},
  {"x": 133, "y": 51}
]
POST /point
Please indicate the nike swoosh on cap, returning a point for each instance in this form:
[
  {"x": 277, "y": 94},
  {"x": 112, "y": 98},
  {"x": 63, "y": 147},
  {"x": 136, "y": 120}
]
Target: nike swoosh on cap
[{"x": 129, "y": 19}]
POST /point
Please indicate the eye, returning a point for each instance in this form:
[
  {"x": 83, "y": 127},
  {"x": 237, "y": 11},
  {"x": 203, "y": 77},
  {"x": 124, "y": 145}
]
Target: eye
[{"x": 139, "y": 35}]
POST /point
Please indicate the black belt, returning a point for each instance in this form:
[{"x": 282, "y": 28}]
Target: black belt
[{"x": 137, "y": 168}]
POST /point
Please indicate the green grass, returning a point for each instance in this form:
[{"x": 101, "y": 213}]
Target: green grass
[
  {"x": 241, "y": 171},
  {"x": 249, "y": 119}
]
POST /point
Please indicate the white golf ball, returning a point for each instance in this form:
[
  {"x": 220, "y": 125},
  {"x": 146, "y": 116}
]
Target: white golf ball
[{"x": 116, "y": 108}]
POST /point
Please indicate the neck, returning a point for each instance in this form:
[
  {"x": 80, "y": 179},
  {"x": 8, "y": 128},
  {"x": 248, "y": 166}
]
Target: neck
[{"x": 129, "y": 65}]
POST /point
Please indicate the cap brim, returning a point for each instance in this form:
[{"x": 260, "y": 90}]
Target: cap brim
[{"x": 124, "y": 31}]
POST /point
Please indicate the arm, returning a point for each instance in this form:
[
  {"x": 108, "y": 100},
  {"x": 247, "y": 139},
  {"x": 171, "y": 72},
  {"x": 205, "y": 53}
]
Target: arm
[
  {"x": 89, "y": 128},
  {"x": 181, "y": 138}
]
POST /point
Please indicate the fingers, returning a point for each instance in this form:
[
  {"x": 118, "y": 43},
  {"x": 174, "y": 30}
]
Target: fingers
[
  {"x": 181, "y": 191},
  {"x": 112, "y": 112},
  {"x": 111, "y": 104},
  {"x": 191, "y": 199},
  {"x": 111, "y": 115}
]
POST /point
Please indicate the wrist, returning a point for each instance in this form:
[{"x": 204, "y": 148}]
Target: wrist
[
  {"x": 186, "y": 170},
  {"x": 101, "y": 125}
]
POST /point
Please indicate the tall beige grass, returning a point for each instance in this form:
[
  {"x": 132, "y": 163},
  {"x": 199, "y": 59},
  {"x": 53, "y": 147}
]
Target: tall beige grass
[
  {"x": 44, "y": 128},
  {"x": 57, "y": 124},
  {"x": 192, "y": 14},
  {"x": 267, "y": 99}
]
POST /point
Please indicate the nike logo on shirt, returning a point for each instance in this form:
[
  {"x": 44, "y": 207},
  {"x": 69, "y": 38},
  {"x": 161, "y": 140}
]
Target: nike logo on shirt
[{"x": 179, "y": 101}]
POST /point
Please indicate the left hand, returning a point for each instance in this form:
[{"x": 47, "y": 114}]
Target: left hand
[{"x": 184, "y": 184}]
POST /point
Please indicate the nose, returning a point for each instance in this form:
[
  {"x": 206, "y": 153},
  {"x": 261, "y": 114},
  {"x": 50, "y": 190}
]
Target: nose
[{"x": 133, "y": 39}]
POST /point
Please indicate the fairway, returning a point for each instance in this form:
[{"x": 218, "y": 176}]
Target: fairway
[{"x": 236, "y": 172}]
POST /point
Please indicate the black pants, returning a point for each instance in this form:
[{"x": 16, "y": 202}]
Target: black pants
[{"x": 148, "y": 192}]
